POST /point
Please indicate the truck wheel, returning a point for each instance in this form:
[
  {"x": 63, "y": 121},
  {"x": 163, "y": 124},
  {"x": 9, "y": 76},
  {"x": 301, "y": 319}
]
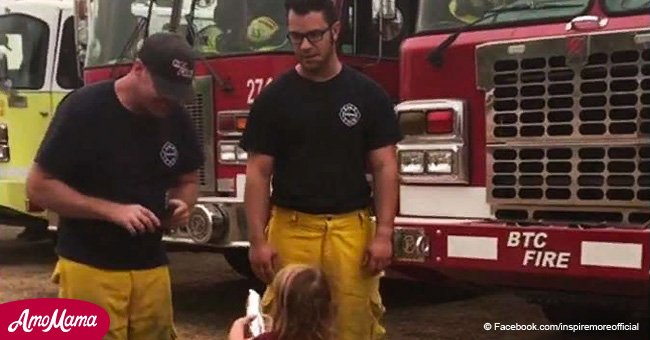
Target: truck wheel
[
  {"x": 237, "y": 258},
  {"x": 54, "y": 237},
  {"x": 34, "y": 231}
]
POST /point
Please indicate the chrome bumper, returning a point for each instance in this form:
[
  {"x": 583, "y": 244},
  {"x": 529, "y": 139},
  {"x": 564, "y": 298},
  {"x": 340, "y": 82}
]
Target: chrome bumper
[{"x": 215, "y": 222}]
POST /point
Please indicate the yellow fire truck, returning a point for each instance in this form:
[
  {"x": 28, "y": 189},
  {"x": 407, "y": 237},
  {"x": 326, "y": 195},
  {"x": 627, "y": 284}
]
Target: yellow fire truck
[{"x": 38, "y": 66}]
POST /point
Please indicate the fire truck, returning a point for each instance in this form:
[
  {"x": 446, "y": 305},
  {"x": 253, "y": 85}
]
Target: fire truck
[
  {"x": 243, "y": 47},
  {"x": 526, "y": 160},
  {"x": 38, "y": 66}
]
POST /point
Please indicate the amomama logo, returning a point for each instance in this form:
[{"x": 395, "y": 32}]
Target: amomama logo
[{"x": 52, "y": 319}]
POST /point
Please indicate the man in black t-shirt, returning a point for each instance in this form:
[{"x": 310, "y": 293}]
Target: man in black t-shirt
[
  {"x": 118, "y": 164},
  {"x": 314, "y": 130}
]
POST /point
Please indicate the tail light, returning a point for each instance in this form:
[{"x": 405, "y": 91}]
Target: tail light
[
  {"x": 231, "y": 123},
  {"x": 4, "y": 134},
  {"x": 230, "y": 127},
  {"x": 4, "y": 153},
  {"x": 240, "y": 123},
  {"x": 434, "y": 148},
  {"x": 433, "y": 122},
  {"x": 440, "y": 122},
  {"x": 4, "y": 143}
]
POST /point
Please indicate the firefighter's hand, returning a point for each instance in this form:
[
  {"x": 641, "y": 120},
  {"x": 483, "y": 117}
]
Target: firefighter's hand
[
  {"x": 180, "y": 212},
  {"x": 263, "y": 260},
  {"x": 378, "y": 254},
  {"x": 134, "y": 218}
]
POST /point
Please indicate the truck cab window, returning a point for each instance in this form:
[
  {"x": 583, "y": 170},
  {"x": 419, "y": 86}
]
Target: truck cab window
[
  {"x": 223, "y": 27},
  {"x": 26, "y": 49},
  {"x": 444, "y": 15},
  {"x": 361, "y": 28},
  {"x": 66, "y": 73}
]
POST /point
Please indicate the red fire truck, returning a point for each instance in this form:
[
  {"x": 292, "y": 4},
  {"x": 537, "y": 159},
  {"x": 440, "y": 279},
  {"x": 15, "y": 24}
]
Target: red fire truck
[
  {"x": 243, "y": 47},
  {"x": 526, "y": 161}
]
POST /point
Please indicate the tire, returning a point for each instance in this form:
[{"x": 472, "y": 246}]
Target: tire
[
  {"x": 237, "y": 258},
  {"x": 35, "y": 231}
]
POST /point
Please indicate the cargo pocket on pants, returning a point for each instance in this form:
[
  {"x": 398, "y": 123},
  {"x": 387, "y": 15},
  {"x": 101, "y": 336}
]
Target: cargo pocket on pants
[{"x": 377, "y": 310}]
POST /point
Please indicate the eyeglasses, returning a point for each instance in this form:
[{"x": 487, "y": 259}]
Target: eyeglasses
[{"x": 312, "y": 36}]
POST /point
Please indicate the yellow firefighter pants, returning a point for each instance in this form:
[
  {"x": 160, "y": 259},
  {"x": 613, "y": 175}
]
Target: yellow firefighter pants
[
  {"x": 138, "y": 302},
  {"x": 336, "y": 244}
]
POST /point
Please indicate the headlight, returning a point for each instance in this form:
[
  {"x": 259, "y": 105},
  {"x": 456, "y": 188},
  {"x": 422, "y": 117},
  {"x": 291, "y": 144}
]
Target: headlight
[
  {"x": 434, "y": 149},
  {"x": 4, "y": 134},
  {"x": 4, "y": 153},
  {"x": 411, "y": 162},
  {"x": 440, "y": 161},
  {"x": 242, "y": 155},
  {"x": 230, "y": 152},
  {"x": 227, "y": 152},
  {"x": 428, "y": 165}
]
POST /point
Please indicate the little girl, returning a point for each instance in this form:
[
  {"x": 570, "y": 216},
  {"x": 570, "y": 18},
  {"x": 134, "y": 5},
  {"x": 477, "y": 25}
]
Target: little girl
[{"x": 301, "y": 307}]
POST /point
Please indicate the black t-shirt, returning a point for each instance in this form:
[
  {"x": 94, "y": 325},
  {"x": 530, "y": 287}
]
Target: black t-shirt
[
  {"x": 101, "y": 149},
  {"x": 319, "y": 134}
]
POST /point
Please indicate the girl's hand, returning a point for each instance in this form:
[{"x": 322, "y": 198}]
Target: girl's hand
[{"x": 239, "y": 327}]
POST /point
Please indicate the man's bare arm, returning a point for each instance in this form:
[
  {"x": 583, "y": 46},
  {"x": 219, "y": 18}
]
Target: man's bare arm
[
  {"x": 386, "y": 185},
  {"x": 187, "y": 188},
  {"x": 50, "y": 193},
  {"x": 256, "y": 199},
  {"x": 181, "y": 199}
]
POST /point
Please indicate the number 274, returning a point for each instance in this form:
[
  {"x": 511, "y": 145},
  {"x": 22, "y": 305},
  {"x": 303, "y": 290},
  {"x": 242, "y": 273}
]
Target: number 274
[{"x": 255, "y": 86}]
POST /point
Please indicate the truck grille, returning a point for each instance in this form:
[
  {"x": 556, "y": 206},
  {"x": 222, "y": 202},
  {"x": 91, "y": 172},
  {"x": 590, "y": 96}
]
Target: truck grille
[
  {"x": 567, "y": 140},
  {"x": 543, "y": 98},
  {"x": 576, "y": 175},
  {"x": 200, "y": 111},
  {"x": 195, "y": 110}
]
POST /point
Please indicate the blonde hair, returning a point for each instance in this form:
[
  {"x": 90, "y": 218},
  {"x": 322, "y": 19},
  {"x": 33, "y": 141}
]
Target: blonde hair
[{"x": 303, "y": 304}]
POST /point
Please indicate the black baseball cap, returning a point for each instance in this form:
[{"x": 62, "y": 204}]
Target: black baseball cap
[{"x": 170, "y": 60}]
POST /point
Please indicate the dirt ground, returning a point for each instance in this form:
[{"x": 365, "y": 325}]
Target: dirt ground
[{"x": 209, "y": 295}]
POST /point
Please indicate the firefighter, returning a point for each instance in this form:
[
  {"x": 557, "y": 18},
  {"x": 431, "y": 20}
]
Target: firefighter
[
  {"x": 313, "y": 130},
  {"x": 113, "y": 154}
]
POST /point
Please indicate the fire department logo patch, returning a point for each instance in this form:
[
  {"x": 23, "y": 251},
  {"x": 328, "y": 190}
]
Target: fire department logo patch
[
  {"x": 169, "y": 154},
  {"x": 350, "y": 115}
]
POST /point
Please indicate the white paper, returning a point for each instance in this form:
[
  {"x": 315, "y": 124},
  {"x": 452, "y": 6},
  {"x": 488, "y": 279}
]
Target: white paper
[{"x": 253, "y": 309}]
